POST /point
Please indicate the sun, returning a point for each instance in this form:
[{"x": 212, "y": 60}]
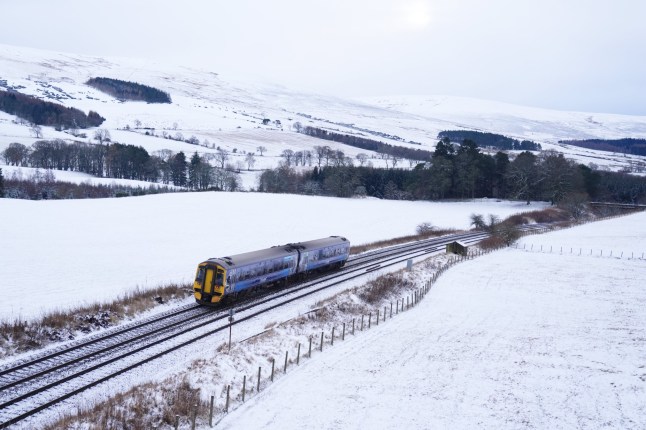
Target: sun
[{"x": 416, "y": 15}]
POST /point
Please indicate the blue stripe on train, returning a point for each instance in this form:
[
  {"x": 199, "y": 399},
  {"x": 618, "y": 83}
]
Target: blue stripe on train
[{"x": 260, "y": 280}]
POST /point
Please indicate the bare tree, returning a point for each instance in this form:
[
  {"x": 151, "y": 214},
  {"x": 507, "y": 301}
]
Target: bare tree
[
  {"x": 424, "y": 228},
  {"x": 361, "y": 158},
  {"x": 288, "y": 155},
  {"x": 101, "y": 135},
  {"x": 298, "y": 158},
  {"x": 137, "y": 123},
  {"x": 320, "y": 153},
  {"x": 164, "y": 154},
  {"x": 222, "y": 156},
  {"x": 36, "y": 130},
  {"x": 395, "y": 160},
  {"x": 307, "y": 156},
  {"x": 261, "y": 149},
  {"x": 251, "y": 160}
]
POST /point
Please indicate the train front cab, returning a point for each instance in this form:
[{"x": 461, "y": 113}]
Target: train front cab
[{"x": 209, "y": 283}]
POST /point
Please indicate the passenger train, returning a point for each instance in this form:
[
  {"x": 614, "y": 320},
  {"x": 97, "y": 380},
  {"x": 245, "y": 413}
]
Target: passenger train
[{"x": 220, "y": 278}]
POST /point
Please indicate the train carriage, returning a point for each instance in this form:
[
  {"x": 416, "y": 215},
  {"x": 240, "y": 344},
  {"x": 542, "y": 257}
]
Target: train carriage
[{"x": 218, "y": 278}]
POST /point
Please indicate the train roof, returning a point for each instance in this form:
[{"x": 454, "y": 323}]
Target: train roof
[
  {"x": 321, "y": 243},
  {"x": 278, "y": 251}
]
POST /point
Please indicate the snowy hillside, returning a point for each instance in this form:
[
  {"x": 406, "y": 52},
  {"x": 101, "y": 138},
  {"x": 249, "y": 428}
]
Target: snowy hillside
[
  {"x": 222, "y": 112},
  {"x": 544, "y": 126}
]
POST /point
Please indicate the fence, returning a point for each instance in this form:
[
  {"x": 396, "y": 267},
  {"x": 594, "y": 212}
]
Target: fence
[
  {"x": 600, "y": 253},
  {"x": 248, "y": 385}
]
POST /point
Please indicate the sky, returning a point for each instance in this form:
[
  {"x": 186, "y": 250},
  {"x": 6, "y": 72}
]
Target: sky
[{"x": 584, "y": 55}]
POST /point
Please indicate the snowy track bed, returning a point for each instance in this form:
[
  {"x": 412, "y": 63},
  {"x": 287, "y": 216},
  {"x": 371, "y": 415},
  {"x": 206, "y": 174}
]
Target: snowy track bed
[{"x": 34, "y": 386}]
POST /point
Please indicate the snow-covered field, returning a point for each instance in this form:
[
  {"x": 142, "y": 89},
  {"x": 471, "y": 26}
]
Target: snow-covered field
[
  {"x": 67, "y": 253},
  {"x": 514, "y": 339}
]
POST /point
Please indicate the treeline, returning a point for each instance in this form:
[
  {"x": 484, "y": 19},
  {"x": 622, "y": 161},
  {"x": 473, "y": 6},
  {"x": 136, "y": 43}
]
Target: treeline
[
  {"x": 44, "y": 186},
  {"x": 40, "y": 112},
  {"x": 465, "y": 172},
  {"x": 116, "y": 160},
  {"x": 368, "y": 144},
  {"x": 627, "y": 146},
  {"x": 125, "y": 90},
  {"x": 489, "y": 140}
]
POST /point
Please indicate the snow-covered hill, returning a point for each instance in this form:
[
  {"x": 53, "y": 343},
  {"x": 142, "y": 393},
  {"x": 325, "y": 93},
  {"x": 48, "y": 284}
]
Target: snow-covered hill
[{"x": 229, "y": 114}]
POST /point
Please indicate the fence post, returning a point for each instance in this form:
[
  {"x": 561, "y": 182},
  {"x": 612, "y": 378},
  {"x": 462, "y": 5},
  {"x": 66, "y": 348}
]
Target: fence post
[
  {"x": 273, "y": 363},
  {"x": 377, "y": 316},
  {"x": 211, "y": 412},
  {"x": 244, "y": 386},
  {"x": 391, "y": 310},
  {"x": 369, "y": 319},
  {"x": 397, "y": 308},
  {"x": 176, "y": 422},
  {"x": 258, "y": 388},
  {"x": 226, "y": 405},
  {"x": 352, "y": 326},
  {"x": 285, "y": 369},
  {"x": 343, "y": 334},
  {"x": 298, "y": 354},
  {"x": 310, "y": 351},
  {"x": 332, "y": 342},
  {"x": 385, "y": 313},
  {"x": 361, "y": 322},
  {"x": 194, "y": 417},
  {"x": 321, "y": 341}
]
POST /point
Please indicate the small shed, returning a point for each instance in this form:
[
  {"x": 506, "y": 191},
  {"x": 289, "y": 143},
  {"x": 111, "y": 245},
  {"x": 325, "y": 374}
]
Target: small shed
[{"x": 457, "y": 247}]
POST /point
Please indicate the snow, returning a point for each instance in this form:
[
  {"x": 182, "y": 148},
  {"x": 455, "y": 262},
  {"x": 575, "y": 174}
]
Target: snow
[
  {"x": 75, "y": 252},
  {"x": 513, "y": 339},
  {"x": 524, "y": 337},
  {"x": 229, "y": 114}
]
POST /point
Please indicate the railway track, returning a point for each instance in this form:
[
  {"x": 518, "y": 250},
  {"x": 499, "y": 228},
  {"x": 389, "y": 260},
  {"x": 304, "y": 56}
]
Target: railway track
[{"x": 32, "y": 385}]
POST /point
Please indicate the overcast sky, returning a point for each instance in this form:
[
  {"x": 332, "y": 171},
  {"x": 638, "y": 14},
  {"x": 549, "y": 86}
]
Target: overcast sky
[{"x": 585, "y": 55}]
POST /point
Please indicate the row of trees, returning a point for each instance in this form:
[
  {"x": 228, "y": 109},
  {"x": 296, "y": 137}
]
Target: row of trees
[
  {"x": 116, "y": 160},
  {"x": 489, "y": 140},
  {"x": 42, "y": 185},
  {"x": 39, "y": 112},
  {"x": 2, "y": 193},
  {"x": 126, "y": 90},
  {"x": 324, "y": 156},
  {"x": 367, "y": 144},
  {"x": 464, "y": 172},
  {"x": 626, "y": 146}
]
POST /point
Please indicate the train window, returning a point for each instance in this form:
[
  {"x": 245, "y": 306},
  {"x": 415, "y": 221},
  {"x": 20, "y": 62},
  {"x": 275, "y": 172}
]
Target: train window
[
  {"x": 200, "y": 274},
  {"x": 219, "y": 277}
]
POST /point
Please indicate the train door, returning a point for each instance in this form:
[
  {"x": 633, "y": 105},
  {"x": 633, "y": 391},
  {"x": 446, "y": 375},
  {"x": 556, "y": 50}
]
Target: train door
[
  {"x": 305, "y": 259},
  {"x": 207, "y": 286}
]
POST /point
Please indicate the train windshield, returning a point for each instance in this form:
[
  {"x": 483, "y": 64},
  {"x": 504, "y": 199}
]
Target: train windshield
[{"x": 200, "y": 275}]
